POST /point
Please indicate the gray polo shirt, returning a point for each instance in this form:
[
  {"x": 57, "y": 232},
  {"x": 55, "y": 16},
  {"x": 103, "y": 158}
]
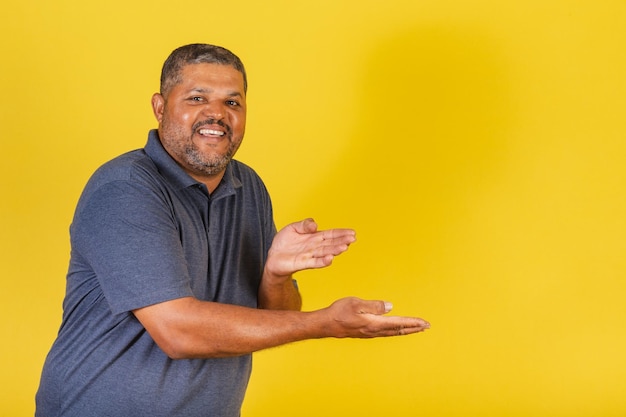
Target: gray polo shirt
[{"x": 145, "y": 232}]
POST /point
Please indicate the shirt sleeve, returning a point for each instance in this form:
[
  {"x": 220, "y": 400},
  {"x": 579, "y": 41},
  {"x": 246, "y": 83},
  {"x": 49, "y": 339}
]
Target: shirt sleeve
[{"x": 127, "y": 233}]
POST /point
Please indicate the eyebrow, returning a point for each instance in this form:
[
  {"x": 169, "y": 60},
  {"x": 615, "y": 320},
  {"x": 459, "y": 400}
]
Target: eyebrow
[{"x": 206, "y": 90}]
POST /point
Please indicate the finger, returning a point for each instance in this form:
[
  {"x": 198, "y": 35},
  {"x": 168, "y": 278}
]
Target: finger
[
  {"x": 344, "y": 234},
  {"x": 320, "y": 247},
  {"x": 400, "y": 326},
  {"x": 329, "y": 250},
  {"x": 335, "y": 243},
  {"x": 401, "y": 331},
  {"x": 408, "y": 323},
  {"x": 320, "y": 262}
]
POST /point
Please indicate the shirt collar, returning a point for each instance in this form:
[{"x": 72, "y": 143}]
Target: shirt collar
[{"x": 173, "y": 172}]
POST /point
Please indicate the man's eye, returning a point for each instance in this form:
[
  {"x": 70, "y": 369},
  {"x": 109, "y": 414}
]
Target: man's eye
[
  {"x": 196, "y": 98},
  {"x": 232, "y": 103}
]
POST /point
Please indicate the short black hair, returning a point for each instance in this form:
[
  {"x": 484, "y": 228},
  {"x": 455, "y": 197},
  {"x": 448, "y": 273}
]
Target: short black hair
[{"x": 197, "y": 53}]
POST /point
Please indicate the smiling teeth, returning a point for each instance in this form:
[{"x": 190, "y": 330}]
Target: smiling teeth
[{"x": 211, "y": 132}]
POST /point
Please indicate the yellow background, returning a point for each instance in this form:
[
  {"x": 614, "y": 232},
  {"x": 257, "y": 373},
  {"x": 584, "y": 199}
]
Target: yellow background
[{"x": 478, "y": 147}]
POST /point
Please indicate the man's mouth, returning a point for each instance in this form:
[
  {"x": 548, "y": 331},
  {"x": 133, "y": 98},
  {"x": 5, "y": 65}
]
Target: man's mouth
[
  {"x": 212, "y": 128},
  {"x": 211, "y": 132}
]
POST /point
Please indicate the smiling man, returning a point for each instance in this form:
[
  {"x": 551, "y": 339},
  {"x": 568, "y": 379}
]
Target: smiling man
[
  {"x": 202, "y": 119},
  {"x": 177, "y": 274}
]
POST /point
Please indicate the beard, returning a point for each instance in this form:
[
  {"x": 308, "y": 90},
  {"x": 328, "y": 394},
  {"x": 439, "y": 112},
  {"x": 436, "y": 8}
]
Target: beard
[
  {"x": 179, "y": 144},
  {"x": 208, "y": 164}
]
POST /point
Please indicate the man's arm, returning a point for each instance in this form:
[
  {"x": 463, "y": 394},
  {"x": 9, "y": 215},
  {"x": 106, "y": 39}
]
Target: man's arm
[
  {"x": 297, "y": 247},
  {"x": 189, "y": 328}
]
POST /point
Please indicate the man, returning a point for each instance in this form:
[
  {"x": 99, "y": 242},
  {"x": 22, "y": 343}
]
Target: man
[{"x": 177, "y": 273}]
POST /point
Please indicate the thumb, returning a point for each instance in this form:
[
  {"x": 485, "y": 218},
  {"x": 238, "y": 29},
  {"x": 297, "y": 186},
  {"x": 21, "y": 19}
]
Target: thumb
[
  {"x": 306, "y": 226},
  {"x": 377, "y": 307}
]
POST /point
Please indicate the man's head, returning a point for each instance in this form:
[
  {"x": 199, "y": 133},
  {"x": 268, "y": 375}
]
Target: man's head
[
  {"x": 201, "y": 109},
  {"x": 197, "y": 53}
]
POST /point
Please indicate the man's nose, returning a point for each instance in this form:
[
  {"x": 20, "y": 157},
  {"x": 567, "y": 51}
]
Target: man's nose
[{"x": 213, "y": 110}]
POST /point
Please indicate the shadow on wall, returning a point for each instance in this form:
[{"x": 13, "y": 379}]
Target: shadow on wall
[{"x": 434, "y": 108}]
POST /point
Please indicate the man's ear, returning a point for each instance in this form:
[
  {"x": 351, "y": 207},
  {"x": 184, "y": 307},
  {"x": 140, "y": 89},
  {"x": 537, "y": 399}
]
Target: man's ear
[{"x": 158, "y": 104}]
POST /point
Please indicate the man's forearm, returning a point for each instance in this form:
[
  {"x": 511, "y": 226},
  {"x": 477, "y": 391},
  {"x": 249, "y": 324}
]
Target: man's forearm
[
  {"x": 189, "y": 328},
  {"x": 279, "y": 294}
]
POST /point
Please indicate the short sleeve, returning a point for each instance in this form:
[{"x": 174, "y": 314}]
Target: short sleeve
[{"x": 126, "y": 232}]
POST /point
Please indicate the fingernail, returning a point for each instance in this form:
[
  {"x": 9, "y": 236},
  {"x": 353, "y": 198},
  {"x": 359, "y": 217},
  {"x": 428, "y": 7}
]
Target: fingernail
[{"x": 388, "y": 306}]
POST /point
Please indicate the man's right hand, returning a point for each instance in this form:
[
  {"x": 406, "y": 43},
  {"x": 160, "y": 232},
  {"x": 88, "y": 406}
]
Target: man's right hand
[{"x": 356, "y": 318}]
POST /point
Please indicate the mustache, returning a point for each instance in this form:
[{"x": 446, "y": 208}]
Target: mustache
[{"x": 209, "y": 122}]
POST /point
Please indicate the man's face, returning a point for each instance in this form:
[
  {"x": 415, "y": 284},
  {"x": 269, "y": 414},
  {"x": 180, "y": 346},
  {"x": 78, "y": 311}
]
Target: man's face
[{"x": 202, "y": 119}]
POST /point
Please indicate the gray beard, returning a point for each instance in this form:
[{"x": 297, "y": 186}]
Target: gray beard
[{"x": 211, "y": 166}]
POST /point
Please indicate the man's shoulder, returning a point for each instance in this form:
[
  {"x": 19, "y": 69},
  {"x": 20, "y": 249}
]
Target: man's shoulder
[
  {"x": 123, "y": 166},
  {"x": 131, "y": 167}
]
